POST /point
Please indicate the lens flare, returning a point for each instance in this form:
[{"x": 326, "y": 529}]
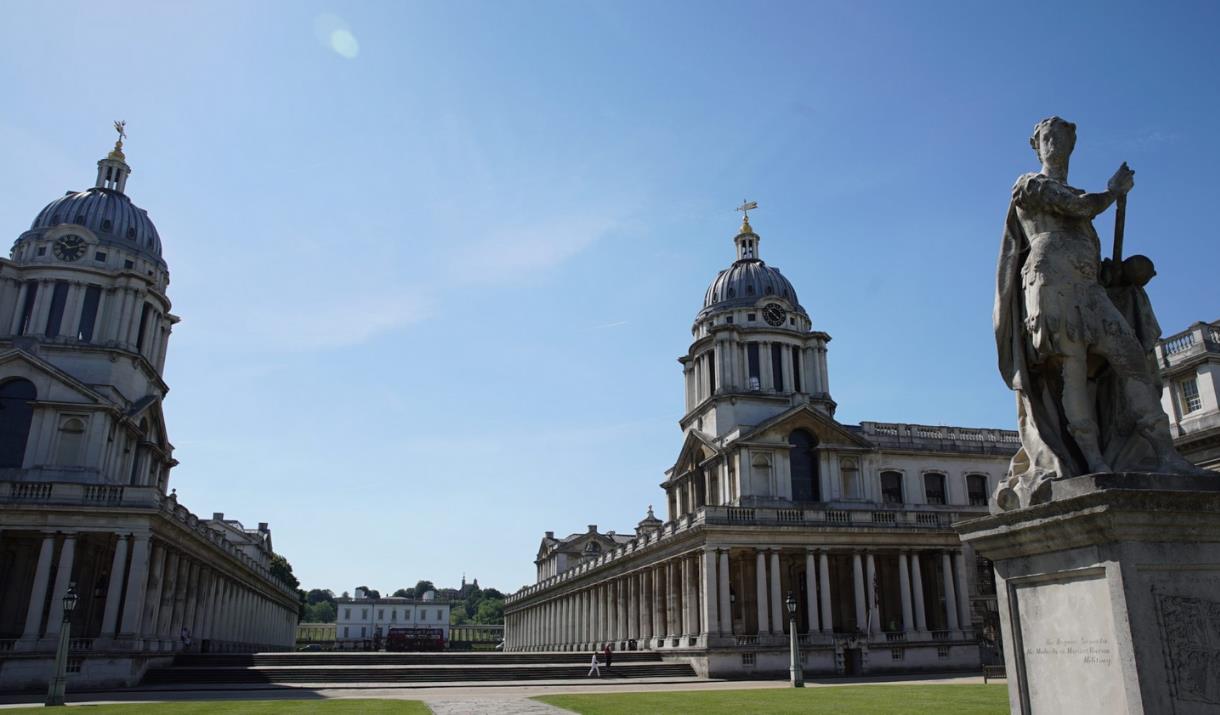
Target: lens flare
[{"x": 333, "y": 32}]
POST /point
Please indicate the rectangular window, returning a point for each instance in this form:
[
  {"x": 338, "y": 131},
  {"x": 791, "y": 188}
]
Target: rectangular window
[
  {"x": 711, "y": 372},
  {"x": 364, "y": 614},
  {"x": 27, "y": 308},
  {"x": 56, "y": 317},
  {"x": 777, "y": 367},
  {"x": 747, "y": 658},
  {"x": 99, "y": 257},
  {"x": 347, "y": 614},
  {"x": 752, "y": 364},
  {"x": 362, "y": 631},
  {"x": 976, "y": 488},
  {"x": 88, "y": 313},
  {"x": 891, "y": 487},
  {"x": 438, "y": 614},
  {"x": 394, "y": 615},
  {"x": 1190, "y": 396},
  {"x": 796, "y": 368},
  {"x": 934, "y": 488},
  {"x": 345, "y": 632},
  {"x": 750, "y": 317},
  {"x": 381, "y": 614},
  {"x": 143, "y": 326}
]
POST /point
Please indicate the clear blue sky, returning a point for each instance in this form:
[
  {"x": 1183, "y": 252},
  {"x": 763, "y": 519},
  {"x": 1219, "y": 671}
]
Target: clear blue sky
[{"x": 435, "y": 261}]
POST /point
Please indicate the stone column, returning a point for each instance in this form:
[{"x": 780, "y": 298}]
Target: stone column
[
  {"x": 192, "y": 600},
  {"x": 671, "y": 598},
  {"x": 63, "y": 577},
  {"x": 38, "y": 592},
  {"x": 764, "y": 366},
  {"x": 633, "y": 607},
  {"x": 645, "y": 608},
  {"x": 726, "y": 606},
  {"x": 921, "y": 618},
  {"x": 857, "y": 582},
  {"x": 870, "y": 585},
  {"x": 824, "y": 577},
  {"x": 950, "y": 599},
  {"x": 181, "y": 588},
  {"x": 137, "y": 588},
  {"x": 621, "y": 586},
  {"x": 811, "y": 592},
  {"x": 168, "y": 593},
  {"x": 904, "y": 585},
  {"x": 658, "y": 583},
  {"x": 611, "y": 612},
  {"x": 684, "y": 579},
  {"x": 709, "y": 600},
  {"x": 963, "y": 593},
  {"x": 760, "y": 570},
  {"x": 114, "y": 589},
  {"x": 778, "y": 611}
]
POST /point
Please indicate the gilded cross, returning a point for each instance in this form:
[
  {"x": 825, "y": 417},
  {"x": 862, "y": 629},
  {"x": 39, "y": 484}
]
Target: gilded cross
[{"x": 745, "y": 208}]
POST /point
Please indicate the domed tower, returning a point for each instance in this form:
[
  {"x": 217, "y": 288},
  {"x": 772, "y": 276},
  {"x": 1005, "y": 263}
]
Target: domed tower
[
  {"x": 754, "y": 354},
  {"x": 84, "y": 326}
]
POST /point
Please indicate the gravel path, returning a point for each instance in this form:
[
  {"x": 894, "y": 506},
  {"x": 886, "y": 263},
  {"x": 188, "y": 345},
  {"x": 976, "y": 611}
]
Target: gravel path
[{"x": 499, "y": 706}]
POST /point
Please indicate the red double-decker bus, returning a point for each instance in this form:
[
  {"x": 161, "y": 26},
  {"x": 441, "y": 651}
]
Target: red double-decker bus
[{"x": 415, "y": 639}]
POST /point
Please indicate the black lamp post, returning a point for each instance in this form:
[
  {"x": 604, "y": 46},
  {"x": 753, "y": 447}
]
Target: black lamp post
[
  {"x": 794, "y": 663},
  {"x": 55, "y": 694}
]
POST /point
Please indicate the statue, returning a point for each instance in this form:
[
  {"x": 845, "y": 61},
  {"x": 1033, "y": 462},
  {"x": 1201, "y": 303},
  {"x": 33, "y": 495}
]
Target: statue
[{"x": 1075, "y": 334}]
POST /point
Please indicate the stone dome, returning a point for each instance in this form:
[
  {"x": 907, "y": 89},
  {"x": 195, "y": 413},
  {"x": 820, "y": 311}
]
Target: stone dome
[
  {"x": 109, "y": 214},
  {"x": 745, "y": 283}
]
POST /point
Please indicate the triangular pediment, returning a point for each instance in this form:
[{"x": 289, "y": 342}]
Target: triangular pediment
[
  {"x": 51, "y": 383},
  {"x": 829, "y": 433},
  {"x": 696, "y": 448}
]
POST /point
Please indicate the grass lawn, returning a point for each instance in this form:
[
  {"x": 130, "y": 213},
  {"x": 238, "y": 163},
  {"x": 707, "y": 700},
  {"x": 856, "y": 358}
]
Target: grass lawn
[
  {"x": 250, "y": 707},
  {"x": 848, "y": 699}
]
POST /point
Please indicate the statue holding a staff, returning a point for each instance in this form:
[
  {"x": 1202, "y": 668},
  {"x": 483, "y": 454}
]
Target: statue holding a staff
[{"x": 1075, "y": 334}]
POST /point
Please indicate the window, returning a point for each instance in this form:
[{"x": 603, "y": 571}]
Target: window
[
  {"x": 27, "y": 308},
  {"x": 747, "y": 658},
  {"x": 347, "y": 615},
  {"x": 796, "y": 368},
  {"x": 423, "y": 615},
  {"x": 42, "y": 250},
  {"x": 394, "y": 614},
  {"x": 1190, "y": 395},
  {"x": 934, "y": 488},
  {"x": 59, "y": 298},
  {"x": 364, "y": 614},
  {"x": 100, "y": 257},
  {"x": 711, "y": 372},
  {"x": 345, "y": 632},
  {"x": 107, "y": 225},
  {"x": 751, "y": 317},
  {"x": 942, "y": 651},
  {"x": 88, "y": 314},
  {"x": 438, "y": 614},
  {"x": 129, "y": 264},
  {"x": 897, "y": 653},
  {"x": 16, "y": 412},
  {"x": 363, "y": 631},
  {"x": 144, "y": 313},
  {"x": 729, "y": 319},
  {"x": 777, "y": 367},
  {"x": 976, "y": 488},
  {"x": 804, "y": 466},
  {"x": 891, "y": 487},
  {"x": 131, "y": 233},
  {"x": 381, "y": 614},
  {"x": 750, "y": 290},
  {"x": 752, "y": 363},
  {"x": 849, "y": 473},
  {"x": 71, "y": 439}
]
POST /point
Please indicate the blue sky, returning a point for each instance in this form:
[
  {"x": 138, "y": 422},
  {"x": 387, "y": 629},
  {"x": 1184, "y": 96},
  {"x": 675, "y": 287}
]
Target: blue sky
[{"x": 435, "y": 261}]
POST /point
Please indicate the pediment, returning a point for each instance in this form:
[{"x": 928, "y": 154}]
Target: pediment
[
  {"x": 50, "y": 383},
  {"x": 829, "y": 432},
  {"x": 696, "y": 448}
]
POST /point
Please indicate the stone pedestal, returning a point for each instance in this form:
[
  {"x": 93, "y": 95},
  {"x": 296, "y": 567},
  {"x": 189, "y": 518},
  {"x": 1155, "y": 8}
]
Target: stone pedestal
[{"x": 1109, "y": 595}]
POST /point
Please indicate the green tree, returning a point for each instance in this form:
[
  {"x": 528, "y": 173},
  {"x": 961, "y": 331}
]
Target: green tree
[
  {"x": 492, "y": 593},
  {"x": 423, "y": 587},
  {"x": 370, "y": 592},
  {"x": 320, "y": 612},
  {"x": 404, "y": 593},
  {"x": 491, "y": 612},
  {"x": 282, "y": 570},
  {"x": 318, "y": 595}
]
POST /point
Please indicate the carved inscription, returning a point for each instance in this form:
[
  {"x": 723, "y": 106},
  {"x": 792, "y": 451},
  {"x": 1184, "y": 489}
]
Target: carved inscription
[
  {"x": 1190, "y": 629},
  {"x": 1076, "y": 651}
]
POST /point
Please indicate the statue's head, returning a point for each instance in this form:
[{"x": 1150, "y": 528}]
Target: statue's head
[{"x": 1053, "y": 140}]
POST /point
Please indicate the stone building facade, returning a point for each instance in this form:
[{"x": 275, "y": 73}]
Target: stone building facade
[
  {"x": 85, "y": 462},
  {"x": 1190, "y": 372},
  {"x": 363, "y": 618},
  {"x": 770, "y": 496}
]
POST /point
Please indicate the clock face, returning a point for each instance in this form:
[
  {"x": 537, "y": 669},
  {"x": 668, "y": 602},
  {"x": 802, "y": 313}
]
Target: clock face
[
  {"x": 70, "y": 247},
  {"x": 774, "y": 314}
]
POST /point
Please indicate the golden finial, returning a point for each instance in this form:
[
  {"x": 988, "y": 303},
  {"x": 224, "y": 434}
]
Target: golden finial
[
  {"x": 120, "y": 126},
  {"x": 745, "y": 208}
]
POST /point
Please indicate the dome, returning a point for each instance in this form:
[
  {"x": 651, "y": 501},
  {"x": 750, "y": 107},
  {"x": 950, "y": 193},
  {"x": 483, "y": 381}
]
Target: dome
[
  {"x": 109, "y": 214},
  {"x": 745, "y": 283}
]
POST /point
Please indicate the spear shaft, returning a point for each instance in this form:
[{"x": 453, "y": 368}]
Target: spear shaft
[{"x": 1120, "y": 220}]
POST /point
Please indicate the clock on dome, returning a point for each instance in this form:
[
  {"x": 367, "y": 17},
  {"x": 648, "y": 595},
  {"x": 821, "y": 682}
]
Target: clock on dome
[
  {"x": 69, "y": 248},
  {"x": 774, "y": 314}
]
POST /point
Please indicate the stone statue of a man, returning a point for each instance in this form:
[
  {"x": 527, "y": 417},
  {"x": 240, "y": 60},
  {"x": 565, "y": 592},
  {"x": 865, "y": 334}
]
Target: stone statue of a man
[{"x": 1075, "y": 335}]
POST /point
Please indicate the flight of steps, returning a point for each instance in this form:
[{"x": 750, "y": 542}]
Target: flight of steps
[{"x": 389, "y": 668}]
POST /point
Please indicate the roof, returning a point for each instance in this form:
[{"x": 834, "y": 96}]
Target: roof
[{"x": 109, "y": 214}]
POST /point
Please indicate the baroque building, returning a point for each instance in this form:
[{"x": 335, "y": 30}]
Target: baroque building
[
  {"x": 85, "y": 462},
  {"x": 1189, "y": 364},
  {"x": 771, "y": 497}
]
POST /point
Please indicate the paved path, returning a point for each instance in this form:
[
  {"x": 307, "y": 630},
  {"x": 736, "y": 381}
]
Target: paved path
[{"x": 499, "y": 706}]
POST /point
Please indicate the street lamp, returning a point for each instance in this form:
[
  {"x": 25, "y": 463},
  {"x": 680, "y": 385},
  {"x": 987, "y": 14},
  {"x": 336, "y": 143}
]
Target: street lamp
[
  {"x": 794, "y": 657},
  {"x": 55, "y": 694}
]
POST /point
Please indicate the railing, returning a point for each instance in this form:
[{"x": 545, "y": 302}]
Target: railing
[
  {"x": 838, "y": 517},
  {"x": 740, "y": 514},
  {"x": 885, "y": 517},
  {"x": 941, "y": 635},
  {"x": 108, "y": 495},
  {"x": 80, "y": 644},
  {"x": 30, "y": 492},
  {"x": 895, "y": 637},
  {"x": 747, "y": 640},
  {"x": 789, "y": 516},
  {"x": 1200, "y": 337},
  {"x": 7, "y": 644},
  {"x": 1179, "y": 344}
]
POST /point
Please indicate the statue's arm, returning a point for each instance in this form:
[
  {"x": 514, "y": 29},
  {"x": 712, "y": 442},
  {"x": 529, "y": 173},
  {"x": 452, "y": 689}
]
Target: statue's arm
[{"x": 1058, "y": 198}]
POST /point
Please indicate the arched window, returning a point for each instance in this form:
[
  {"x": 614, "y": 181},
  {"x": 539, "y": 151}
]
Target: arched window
[
  {"x": 891, "y": 487},
  {"x": 71, "y": 439},
  {"x": 804, "y": 466},
  {"x": 976, "y": 488},
  {"x": 934, "y": 488},
  {"x": 16, "y": 412}
]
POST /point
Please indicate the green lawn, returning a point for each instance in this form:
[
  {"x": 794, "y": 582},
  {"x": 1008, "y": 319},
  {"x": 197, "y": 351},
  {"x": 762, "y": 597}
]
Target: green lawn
[
  {"x": 847, "y": 699},
  {"x": 250, "y": 707}
]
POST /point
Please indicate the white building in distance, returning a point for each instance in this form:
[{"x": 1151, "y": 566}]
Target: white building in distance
[
  {"x": 363, "y": 618},
  {"x": 1190, "y": 371},
  {"x": 771, "y": 497},
  {"x": 85, "y": 462}
]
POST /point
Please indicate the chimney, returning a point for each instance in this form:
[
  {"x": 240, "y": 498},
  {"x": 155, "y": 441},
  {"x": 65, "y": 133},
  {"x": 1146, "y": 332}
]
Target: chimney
[
  {"x": 550, "y": 534},
  {"x": 262, "y": 526},
  {"x": 592, "y": 528},
  {"x": 218, "y": 515}
]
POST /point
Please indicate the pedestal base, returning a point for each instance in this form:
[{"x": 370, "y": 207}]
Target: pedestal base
[{"x": 1109, "y": 595}]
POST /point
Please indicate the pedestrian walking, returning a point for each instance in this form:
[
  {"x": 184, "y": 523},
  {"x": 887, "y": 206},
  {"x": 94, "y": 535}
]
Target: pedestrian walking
[
  {"x": 609, "y": 653},
  {"x": 594, "y": 666}
]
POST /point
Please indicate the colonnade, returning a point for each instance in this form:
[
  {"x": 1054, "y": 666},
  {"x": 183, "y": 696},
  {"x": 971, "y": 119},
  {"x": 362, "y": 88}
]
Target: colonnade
[
  {"x": 725, "y": 366},
  {"x": 689, "y": 599},
  {"x": 155, "y": 595}
]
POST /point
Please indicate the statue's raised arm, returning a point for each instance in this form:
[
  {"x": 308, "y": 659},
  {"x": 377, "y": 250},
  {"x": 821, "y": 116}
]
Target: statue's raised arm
[{"x": 1074, "y": 348}]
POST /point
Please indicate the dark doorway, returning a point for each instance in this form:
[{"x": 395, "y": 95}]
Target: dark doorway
[
  {"x": 853, "y": 661},
  {"x": 15, "y": 415},
  {"x": 804, "y": 466}
]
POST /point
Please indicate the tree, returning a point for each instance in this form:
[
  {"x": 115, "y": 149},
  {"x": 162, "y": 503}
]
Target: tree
[
  {"x": 491, "y": 612},
  {"x": 423, "y": 587},
  {"x": 369, "y": 592},
  {"x": 318, "y": 595},
  {"x": 320, "y": 612},
  {"x": 282, "y": 570},
  {"x": 458, "y": 616},
  {"x": 404, "y": 593},
  {"x": 492, "y": 593}
]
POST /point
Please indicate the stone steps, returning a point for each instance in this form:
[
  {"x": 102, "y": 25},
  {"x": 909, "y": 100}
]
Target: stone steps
[{"x": 385, "y": 668}]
